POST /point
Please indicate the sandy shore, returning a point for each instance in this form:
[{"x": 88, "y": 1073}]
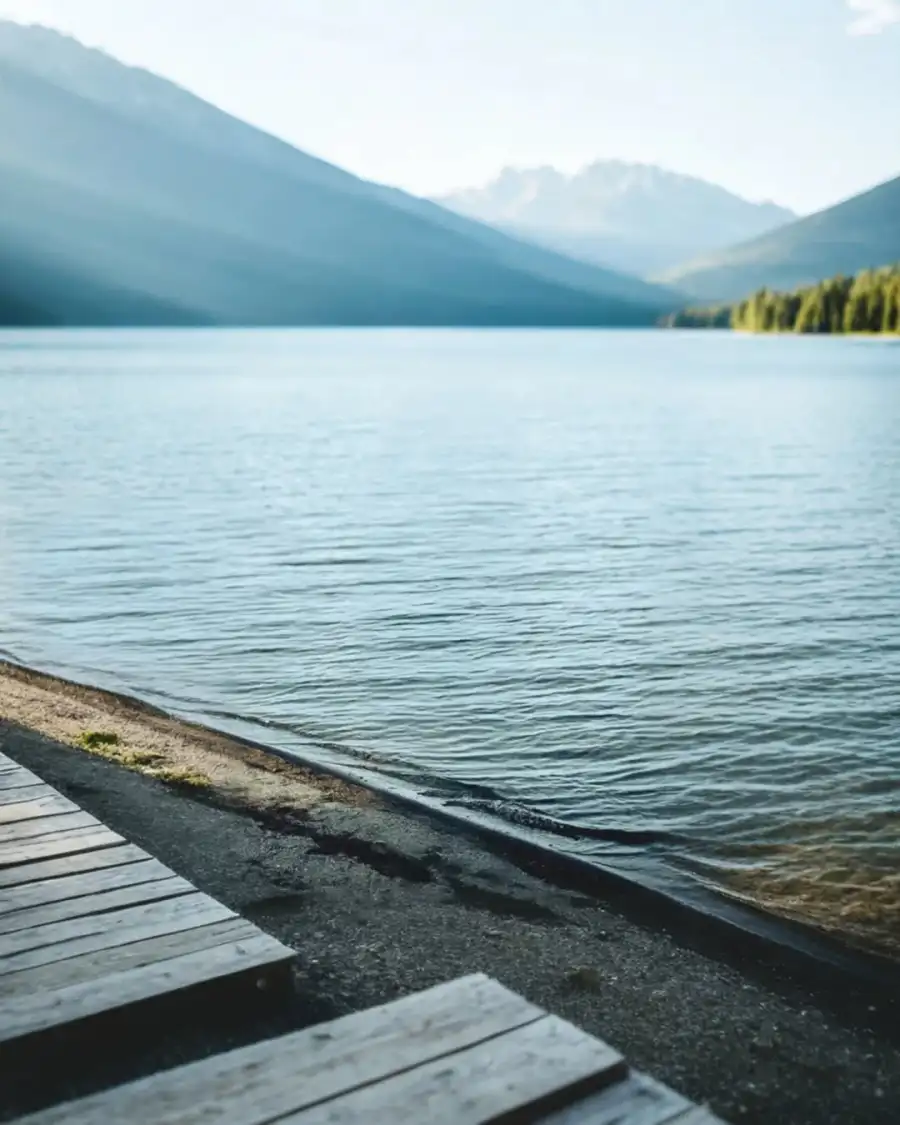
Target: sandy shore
[
  {"x": 379, "y": 902},
  {"x": 158, "y": 746}
]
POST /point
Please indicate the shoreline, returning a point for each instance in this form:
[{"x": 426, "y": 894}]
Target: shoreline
[
  {"x": 278, "y": 785},
  {"x": 380, "y": 898}
]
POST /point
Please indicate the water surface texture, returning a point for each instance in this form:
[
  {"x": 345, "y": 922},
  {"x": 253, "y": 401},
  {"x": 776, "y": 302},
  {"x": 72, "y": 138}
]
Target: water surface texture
[{"x": 643, "y": 585}]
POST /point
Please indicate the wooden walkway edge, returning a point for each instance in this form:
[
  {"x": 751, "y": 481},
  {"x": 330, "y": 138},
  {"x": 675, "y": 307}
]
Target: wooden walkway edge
[
  {"x": 93, "y": 928},
  {"x": 465, "y": 1053},
  {"x": 91, "y": 925}
]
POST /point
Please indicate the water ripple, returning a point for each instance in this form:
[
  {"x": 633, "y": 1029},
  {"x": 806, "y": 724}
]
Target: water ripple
[{"x": 627, "y": 588}]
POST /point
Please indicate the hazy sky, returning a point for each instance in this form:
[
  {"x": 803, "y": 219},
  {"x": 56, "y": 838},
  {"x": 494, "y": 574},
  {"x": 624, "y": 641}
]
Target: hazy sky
[{"x": 794, "y": 100}]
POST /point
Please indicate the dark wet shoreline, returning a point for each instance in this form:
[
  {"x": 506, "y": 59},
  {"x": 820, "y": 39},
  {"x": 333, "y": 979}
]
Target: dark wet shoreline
[
  {"x": 651, "y": 893},
  {"x": 381, "y": 898}
]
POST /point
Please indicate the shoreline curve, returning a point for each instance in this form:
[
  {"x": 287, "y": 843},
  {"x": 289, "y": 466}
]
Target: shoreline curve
[{"x": 696, "y": 914}]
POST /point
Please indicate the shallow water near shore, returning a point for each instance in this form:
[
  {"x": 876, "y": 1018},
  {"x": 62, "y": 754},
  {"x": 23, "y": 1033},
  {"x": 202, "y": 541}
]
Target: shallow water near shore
[{"x": 635, "y": 591}]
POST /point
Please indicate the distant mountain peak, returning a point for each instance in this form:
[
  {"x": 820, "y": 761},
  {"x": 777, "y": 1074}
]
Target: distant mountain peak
[
  {"x": 627, "y": 215},
  {"x": 603, "y": 196}
]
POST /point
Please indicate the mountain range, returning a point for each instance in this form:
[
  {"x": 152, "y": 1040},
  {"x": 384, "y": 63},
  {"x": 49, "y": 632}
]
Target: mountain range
[
  {"x": 633, "y": 217},
  {"x": 124, "y": 199}
]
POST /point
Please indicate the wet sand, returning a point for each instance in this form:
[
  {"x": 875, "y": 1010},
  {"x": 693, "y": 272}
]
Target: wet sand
[{"x": 379, "y": 902}]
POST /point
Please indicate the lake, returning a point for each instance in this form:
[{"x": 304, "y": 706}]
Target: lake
[{"x": 637, "y": 590}]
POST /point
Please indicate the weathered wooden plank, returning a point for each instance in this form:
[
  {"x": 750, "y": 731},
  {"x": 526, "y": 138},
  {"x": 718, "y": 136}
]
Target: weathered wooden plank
[
  {"x": 25, "y": 793},
  {"x": 47, "y": 806},
  {"x": 8, "y": 765},
  {"x": 45, "y": 826},
  {"x": 86, "y": 905},
  {"x": 61, "y": 866},
  {"x": 638, "y": 1100},
  {"x": 91, "y": 925},
  {"x": 102, "y": 963},
  {"x": 81, "y": 884},
  {"x": 44, "y": 944},
  {"x": 25, "y": 830},
  {"x": 57, "y": 844},
  {"x": 527, "y": 1071},
  {"x": 30, "y": 1015},
  {"x": 262, "y": 1083},
  {"x": 17, "y": 778}
]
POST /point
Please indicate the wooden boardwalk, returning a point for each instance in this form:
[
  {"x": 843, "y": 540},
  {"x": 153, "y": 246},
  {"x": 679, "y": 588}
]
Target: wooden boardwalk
[
  {"x": 465, "y": 1053},
  {"x": 91, "y": 925}
]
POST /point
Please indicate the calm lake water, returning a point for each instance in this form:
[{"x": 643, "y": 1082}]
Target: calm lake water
[{"x": 644, "y": 584}]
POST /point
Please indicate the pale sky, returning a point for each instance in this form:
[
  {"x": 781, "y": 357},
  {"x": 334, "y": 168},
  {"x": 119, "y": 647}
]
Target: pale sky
[{"x": 791, "y": 100}]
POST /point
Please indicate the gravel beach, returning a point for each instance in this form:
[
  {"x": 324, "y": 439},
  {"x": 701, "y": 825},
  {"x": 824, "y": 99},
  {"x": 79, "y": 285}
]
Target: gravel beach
[{"x": 380, "y": 902}]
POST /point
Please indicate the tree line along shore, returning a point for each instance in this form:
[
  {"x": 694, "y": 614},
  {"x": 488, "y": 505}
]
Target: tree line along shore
[{"x": 867, "y": 303}]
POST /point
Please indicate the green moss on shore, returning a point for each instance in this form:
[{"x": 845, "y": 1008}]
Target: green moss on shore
[{"x": 108, "y": 744}]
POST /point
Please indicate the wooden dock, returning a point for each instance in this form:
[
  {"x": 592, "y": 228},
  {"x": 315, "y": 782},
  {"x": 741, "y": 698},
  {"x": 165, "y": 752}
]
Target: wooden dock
[
  {"x": 465, "y": 1053},
  {"x": 92, "y": 926}
]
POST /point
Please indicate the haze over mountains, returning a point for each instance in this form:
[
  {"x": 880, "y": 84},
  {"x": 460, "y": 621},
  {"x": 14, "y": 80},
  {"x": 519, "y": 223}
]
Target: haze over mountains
[
  {"x": 641, "y": 218},
  {"x": 633, "y": 217},
  {"x": 126, "y": 200},
  {"x": 859, "y": 233}
]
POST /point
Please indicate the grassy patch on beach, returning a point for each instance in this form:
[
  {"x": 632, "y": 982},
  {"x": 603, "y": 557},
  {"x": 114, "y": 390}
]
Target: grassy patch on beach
[
  {"x": 98, "y": 741},
  {"x": 177, "y": 775},
  {"x": 151, "y": 763}
]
